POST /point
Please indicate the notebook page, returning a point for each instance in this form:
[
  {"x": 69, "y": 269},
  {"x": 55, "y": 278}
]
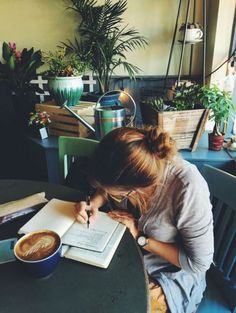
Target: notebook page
[
  {"x": 56, "y": 215},
  {"x": 93, "y": 238},
  {"x": 99, "y": 259}
]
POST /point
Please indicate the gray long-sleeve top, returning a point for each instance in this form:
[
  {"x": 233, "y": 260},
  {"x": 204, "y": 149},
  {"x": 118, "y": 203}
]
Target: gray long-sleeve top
[{"x": 180, "y": 212}]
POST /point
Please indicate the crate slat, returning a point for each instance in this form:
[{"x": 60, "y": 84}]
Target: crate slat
[
  {"x": 56, "y": 132},
  {"x": 186, "y": 127},
  {"x": 63, "y": 123}
]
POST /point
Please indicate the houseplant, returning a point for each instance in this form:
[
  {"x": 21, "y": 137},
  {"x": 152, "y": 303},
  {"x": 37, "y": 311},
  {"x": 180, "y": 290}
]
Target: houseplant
[
  {"x": 38, "y": 122},
  {"x": 64, "y": 76},
  {"x": 220, "y": 104},
  {"x": 191, "y": 32},
  {"x": 105, "y": 39},
  {"x": 183, "y": 116},
  {"x": 16, "y": 72}
]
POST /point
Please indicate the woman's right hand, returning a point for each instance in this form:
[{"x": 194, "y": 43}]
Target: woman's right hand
[{"x": 81, "y": 214}]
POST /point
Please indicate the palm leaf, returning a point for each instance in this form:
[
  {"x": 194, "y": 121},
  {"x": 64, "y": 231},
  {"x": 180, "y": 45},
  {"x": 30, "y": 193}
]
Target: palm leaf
[{"x": 103, "y": 37}]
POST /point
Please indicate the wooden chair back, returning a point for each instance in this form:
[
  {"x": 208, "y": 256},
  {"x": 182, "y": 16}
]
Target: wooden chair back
[{"x": 222, "y": 187}]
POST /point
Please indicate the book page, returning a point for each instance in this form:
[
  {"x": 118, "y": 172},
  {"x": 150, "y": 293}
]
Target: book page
[
  {"x": 99, "y": 259},
  {"x": 56, "y": 215},
  {"x": 93, "y": 238}
]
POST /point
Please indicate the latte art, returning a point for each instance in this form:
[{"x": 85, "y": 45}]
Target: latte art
[{"x": 37, "y": 246}]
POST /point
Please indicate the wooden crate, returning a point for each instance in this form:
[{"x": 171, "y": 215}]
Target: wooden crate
[
  {"x": 63, "y": 123},
  {"x": 186, "y": 127}
]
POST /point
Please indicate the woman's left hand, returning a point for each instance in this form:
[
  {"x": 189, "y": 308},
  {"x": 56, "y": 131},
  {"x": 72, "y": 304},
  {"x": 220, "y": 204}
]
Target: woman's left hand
[{"x": 127, "y": 219}]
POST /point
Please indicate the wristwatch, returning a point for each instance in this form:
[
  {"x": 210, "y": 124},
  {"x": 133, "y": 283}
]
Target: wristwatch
[{"x": 142, "y": 240}]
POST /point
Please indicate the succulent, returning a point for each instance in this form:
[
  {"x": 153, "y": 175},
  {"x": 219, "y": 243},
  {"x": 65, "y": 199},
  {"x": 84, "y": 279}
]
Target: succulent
[{"x": 190, "y": 26}]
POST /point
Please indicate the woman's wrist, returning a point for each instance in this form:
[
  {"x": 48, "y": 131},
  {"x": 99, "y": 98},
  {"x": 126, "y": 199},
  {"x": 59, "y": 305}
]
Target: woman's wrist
[
  {"x": 97, "y": 200},
  {"x": 136, "y": 232}
]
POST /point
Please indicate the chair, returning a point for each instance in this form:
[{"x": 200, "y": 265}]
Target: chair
[
  {"x": 70, "y": 147},
  {"x": 220, "y": 294}
]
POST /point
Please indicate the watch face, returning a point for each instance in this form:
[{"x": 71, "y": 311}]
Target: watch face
[{"x": 142, "y": 241}]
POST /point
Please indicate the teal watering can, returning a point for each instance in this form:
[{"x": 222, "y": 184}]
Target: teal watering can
[{"x": 108, "y": 117}]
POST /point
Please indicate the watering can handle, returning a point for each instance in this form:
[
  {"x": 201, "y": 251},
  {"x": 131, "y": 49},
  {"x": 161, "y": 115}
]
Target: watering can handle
[
  {"x": 86, "y": 124},
  {"x": 128, "y": 95}
]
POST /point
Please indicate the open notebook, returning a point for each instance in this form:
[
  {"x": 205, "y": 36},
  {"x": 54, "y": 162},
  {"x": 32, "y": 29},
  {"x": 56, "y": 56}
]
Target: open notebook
[{"x": 95, "y": 245}]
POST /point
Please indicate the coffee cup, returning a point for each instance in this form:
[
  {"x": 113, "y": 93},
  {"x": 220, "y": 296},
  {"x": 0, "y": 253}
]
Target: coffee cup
[
  {"x": 39, "y": 252},
  {"x": 192, "y": 34}
]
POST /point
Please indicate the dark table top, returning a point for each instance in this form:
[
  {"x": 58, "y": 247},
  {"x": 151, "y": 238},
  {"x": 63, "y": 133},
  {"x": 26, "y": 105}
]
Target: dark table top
[{"x": 74, "y": 286}]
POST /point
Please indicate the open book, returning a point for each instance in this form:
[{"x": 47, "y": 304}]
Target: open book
[{"x": 95, "y": 245}]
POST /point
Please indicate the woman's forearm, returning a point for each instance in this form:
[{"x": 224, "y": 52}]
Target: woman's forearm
[
  {"x": 98, "y": 200},
  {"x": 168, "y": 251}
]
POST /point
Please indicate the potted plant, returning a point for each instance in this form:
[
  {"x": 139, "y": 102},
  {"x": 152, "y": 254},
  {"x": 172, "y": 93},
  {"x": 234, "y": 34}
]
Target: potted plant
[
  {"x": 17, "y": 70},
  {"x": 220, "y": 104},
  {"x": 64, "y": 76},
  {"x": 191, "y": 32},
  {"x": 38, "y": 122},
  {"x": 104, "y": 39},
  {"x": 184, "y": 116}
]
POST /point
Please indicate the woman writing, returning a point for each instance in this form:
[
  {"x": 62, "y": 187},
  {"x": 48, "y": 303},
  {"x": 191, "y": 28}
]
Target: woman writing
[{"x": 164, "y": 202}]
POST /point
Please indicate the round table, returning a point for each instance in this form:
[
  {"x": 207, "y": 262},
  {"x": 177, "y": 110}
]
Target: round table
[{"x": 74, "y": 286}]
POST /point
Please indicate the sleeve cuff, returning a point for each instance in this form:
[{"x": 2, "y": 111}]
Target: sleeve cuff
[{"x": 183, "y": 260}]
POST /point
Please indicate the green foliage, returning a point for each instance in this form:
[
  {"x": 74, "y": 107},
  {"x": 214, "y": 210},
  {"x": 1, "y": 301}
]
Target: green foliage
[
  {"x": 157, "y": 104},
  {"x": 220, "y": 104},
  {"x": 19, "y": 68},
  {"x": 186, "y": 97},
  {"x": 63, "y": 64},
  {"x": 104, "y": 39}
]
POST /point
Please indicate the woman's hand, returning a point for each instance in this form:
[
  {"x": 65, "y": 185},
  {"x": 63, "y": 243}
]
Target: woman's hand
[
  {"x": 81, "y": 209},
  {"x": 127, "y": 219}
]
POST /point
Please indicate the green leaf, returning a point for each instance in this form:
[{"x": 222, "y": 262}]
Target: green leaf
[
  {"x": 104, "y": 40},
  {"x": 6, "y": 51},
  {"x": 12, "y": 62}
]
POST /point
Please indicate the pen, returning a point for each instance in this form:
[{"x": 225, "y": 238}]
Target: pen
[{"x": 88, "y": 210}]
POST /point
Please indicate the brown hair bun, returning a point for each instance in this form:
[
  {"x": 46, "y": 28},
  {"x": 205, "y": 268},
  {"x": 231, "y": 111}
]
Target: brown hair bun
[{"x": 160, "y": 142}]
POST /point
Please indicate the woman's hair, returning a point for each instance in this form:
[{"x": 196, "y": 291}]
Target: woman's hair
[{"x": 129, "y": 158}]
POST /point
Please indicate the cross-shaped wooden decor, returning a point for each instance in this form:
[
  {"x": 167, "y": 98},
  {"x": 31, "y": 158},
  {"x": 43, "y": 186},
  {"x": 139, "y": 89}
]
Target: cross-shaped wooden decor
[{"x": 42, "y": 83}]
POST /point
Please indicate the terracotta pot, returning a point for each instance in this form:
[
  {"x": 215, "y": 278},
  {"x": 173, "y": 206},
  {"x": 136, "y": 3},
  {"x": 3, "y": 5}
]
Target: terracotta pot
[{"x": 215, "y": 142}]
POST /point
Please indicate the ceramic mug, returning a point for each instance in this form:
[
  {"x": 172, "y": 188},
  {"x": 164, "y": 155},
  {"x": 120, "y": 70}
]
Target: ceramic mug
[
  {"x": 192, "y": 34},
  {"x": 39, "y": 252}
]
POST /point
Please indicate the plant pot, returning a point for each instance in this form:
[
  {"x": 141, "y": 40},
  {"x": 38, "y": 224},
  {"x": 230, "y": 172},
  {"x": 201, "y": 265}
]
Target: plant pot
[
  {"x": 67, "y": 89},
  {"x": 40, "y": 133},
  {"x": 192, "y": 35},
  {"x": 215, "y": 142},
  {"x": 185, "y": 127}
]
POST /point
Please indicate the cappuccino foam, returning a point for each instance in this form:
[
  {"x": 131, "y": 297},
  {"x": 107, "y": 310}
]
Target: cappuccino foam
[{"x": 37, "y": 246}]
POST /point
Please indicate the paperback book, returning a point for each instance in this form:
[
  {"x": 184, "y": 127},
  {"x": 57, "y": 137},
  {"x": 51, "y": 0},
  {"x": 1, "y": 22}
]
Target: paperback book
[{"x": 95, "y": 245}]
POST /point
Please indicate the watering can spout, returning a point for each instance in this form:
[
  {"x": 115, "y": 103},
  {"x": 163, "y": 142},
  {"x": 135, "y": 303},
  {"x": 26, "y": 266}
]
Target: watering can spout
[{"x": 86, "y": 124}]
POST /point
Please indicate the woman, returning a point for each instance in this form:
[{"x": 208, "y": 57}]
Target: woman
[{"x": 172, "y": 222}]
